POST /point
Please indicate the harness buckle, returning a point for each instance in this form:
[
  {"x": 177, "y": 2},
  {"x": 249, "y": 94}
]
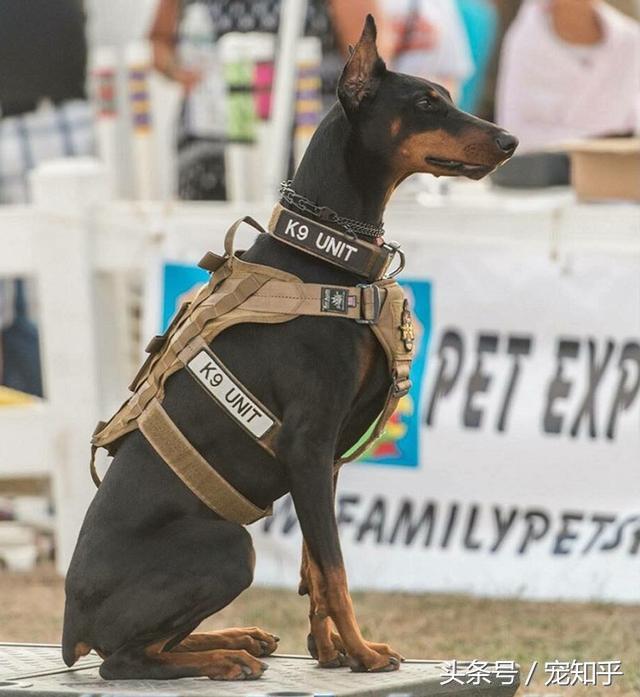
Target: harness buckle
[
  {"x": 401, "y": 387},
  {"x": 376, "y": 300},
  {"x": 401, "y": 384},
  {"x": 396, "y": 250}
]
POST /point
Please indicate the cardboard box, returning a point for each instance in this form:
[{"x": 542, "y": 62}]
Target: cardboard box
[{"x": 606, "y": 169}]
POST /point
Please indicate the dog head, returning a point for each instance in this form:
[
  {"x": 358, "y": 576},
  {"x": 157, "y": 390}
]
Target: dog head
[{"x": 412, "y": 124}]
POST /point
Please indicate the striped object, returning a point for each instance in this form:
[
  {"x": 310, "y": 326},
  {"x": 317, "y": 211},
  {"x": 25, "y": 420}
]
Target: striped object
[
  {"x": 308, "y": 93},
  {"x": 238, "y": 71},
  {"x": 139, "y": 97},
  {"x": 104, "y": 91}
]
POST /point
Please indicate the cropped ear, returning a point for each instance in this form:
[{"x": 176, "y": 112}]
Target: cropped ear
[{"x": 364, "y": 69}]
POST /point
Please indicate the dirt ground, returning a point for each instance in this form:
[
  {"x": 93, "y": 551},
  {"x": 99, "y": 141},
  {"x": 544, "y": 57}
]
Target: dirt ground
[{"x": 419, "y": 626}]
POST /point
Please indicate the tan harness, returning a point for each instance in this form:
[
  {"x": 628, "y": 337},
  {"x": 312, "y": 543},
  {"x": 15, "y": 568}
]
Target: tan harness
[{"x": 239, "y": 292}]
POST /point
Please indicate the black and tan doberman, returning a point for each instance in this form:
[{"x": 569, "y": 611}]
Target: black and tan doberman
[{"x": 152, "y": 561}]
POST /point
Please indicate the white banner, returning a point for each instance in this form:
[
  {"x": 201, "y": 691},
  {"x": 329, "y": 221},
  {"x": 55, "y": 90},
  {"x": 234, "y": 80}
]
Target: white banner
[{"x": 513, "y": 467}]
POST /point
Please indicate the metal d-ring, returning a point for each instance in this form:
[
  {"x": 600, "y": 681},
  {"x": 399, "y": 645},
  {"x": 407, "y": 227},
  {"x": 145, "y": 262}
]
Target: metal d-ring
[{"x": 395, "y": 248}]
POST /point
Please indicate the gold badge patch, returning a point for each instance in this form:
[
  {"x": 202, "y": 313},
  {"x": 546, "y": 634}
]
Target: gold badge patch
[{"x": 406, "y": 328}]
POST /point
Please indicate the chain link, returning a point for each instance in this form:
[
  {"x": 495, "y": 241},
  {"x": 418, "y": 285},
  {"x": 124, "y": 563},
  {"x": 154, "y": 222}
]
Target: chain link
[{"x": 304, "y": 205}]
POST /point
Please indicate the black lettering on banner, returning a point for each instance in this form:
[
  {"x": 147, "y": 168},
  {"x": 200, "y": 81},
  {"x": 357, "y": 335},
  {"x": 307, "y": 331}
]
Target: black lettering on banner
[
  {"x": 469, "y": 542},
  {"x": 451, "y": 343},
  {"x": 566, "y": 534},
  {"x": 537, "y": 525},
  {"x": 559, "y": 388},
  {"x": 405, "y": 523},
  {"x": 343, "y": 516},
  {"x": 449, "y": 526},
  {"x": 627, "y": 390},
  {"x": 517, "y": 346},
  {"x": 601, "y": 521},
  {"x": 617, "y": 539},
  {"x": 635, "y": 542},
  {"x": 503, "y": 525},
  {"x": 286, "y": 517},
  {"x": 374, "y": 522},
  {"x": 594, "y": 377},
  {"x": 478, "y": 382}
]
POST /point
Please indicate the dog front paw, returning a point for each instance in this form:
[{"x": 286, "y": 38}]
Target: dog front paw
[
  {"x": 378, "y": 658},
  {"x": 330, "y": 657}
]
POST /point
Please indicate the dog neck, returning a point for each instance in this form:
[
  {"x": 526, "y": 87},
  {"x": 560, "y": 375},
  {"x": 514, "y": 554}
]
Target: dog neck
[{"x": 337, "y": 172}]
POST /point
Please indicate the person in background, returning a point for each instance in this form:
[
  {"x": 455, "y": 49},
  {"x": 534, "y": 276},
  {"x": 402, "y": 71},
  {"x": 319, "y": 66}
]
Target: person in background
[
  {"x": 43, "y": 108},
  {"x": 430, "y": 41},
  {"x": 44, "y": 114},
  {"x": 568, "y": 69},
  {"x": 337, "y": 23}
]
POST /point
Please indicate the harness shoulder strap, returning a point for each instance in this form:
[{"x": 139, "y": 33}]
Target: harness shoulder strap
[{"x": 394, "y": 331}]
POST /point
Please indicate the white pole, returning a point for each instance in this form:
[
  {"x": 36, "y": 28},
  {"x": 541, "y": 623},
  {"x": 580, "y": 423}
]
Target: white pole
[
  {"x": 308, "y": 94},
  {"x": 138, "y": 60},
  {"x": 263, "y": 47},
  {"x": 65, "y": 193},
  {"x": 104, "y": 95},
  {"x": 237, "y": 60},
  {"x": 292, "y": 16}
]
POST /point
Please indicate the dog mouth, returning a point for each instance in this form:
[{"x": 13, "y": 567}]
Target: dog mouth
[{"x": 459, "y": 167}]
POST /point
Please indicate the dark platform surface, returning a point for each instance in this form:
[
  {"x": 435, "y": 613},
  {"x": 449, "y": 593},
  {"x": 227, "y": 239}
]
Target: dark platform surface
[{"x": 37, "y": 669}]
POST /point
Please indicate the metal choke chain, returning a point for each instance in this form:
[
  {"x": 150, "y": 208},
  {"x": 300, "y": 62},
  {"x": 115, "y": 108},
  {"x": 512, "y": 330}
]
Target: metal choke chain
[{"x": 304, "y": 205}]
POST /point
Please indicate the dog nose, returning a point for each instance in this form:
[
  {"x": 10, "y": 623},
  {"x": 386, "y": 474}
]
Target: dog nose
[{"x": 506, "y": 142}]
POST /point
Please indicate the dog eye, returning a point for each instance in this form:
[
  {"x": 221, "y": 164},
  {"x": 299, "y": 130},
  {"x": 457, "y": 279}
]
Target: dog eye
[{"x": 426, "y": 104}]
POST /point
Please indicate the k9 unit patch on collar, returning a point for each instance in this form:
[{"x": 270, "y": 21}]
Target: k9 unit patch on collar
[{"x": 216, "y": 379}]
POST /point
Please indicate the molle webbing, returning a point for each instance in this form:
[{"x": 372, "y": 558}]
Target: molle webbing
[{"x": 240, "y": 292}]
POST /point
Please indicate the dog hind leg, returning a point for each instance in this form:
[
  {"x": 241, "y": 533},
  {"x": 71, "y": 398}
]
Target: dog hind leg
[
  {"x": 152, "y": 663},
  {"x": 254, "y": 640},
  {"x": 170, "y": 580}
]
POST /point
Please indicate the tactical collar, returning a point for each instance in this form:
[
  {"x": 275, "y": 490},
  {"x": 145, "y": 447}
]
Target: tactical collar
[{"x": 345, "y": 251}]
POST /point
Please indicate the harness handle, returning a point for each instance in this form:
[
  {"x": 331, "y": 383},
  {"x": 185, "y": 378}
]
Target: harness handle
[{"x": 231, "y": 232}]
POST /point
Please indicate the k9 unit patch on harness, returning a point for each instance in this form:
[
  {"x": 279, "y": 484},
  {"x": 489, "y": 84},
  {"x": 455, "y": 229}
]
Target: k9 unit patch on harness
[{"x": 210, "y": 372}]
